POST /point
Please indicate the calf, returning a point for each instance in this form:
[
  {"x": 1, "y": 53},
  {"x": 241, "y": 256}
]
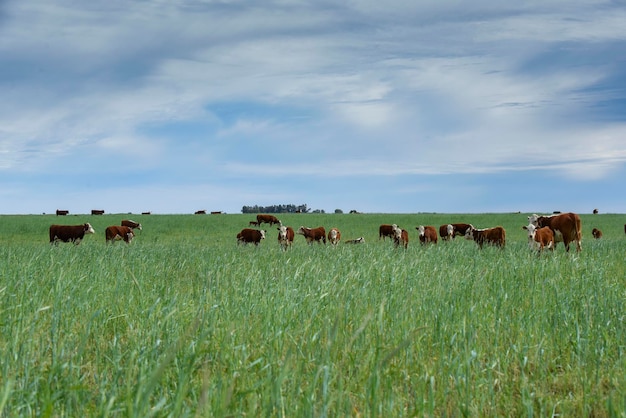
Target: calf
[
  {"x": 539, "y": 238},
  {"x": 494, "y": 236},
  {"x": 313, "y": 234},
  {"x": 359, "y": 240},
  {"x": 427, "y": 234},
  {"x": 566, "y": 227},
  {"x": 131, "y": 224},
  {"x": 400, "y": 237},
  {"x": 446, "y": 232},
  {"x": 384, "y": 231},
  {"x": 285, "y": 237},
  {"x": 69, "y": 233},
  {"x": 334, "y": 236},
  {"x": 597, "y": 234},
  {"x": 248, "y": 235},
  {"x": 253, "y": 223},
  {"x": 115, "y": 233}
]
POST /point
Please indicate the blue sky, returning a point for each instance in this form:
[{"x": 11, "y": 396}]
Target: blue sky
[{"x": 395, "y": 106}]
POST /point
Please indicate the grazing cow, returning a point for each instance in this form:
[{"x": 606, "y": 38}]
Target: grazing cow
[
  {"x": 384, "y": 231},
  {"x": 566, "y": 227},
  {"x": 427, "y": 234},
  {"x": 61, "y": 212},
  {"x": 334, "y": 236},
  {"x": 131, "y": 224},
  {"x": 115, "y": 233},
  {"x": 494, "y": 236},
  {"x": 253, "y": 223},
  {"x": 313, "y": 234},
  {"x": 400, "y": 236},
  {"x": 200, "y": 212},
  {"x": 597, "y": 234},
  {"x": 268, "y": 219},
  {"x": 69, "y": 233},
  {"x": 540, "y": 238},
  {"x": 146, "y": 213},
  {"x": 97, "y": 212},
  {"x": 359, "y": 240},
  {"x": 285, "y": 237},
  {"x": 248, "y": 235},
  {"x": 446, "y": 232}
]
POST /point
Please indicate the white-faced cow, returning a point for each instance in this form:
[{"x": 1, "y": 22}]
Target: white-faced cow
[
  {"x": 566, "y": 227},
  {"x": 69, "y": 233},
  {"x": 492, "y": 236},
  {"x": 268, "y": 219},
  {"x": 313, "y": 234},
  {"x": 249, "y": 235},
  {"x": 384, "y": 231},
  {"x": 427, "y": 234},
  {"x": 285, "y": 237},
  {"x": 334, "y": 236},
  {"x": 597, "y": 234},
  {"x": 446, "y": 232},
  {"x": 131, "y": 224},
  {"x": 359, "y": 240},
  {"x": 400, "y": 236},
  {"x": 116, "y": 233},
  {"x": 539, "y": 238}
]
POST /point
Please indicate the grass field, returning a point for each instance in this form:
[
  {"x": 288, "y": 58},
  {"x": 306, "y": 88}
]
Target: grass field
[{"x": 183, "y": 322}]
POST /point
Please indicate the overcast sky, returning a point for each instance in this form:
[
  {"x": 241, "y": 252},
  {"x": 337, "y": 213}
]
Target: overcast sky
[{"x": 395, "y": 106}]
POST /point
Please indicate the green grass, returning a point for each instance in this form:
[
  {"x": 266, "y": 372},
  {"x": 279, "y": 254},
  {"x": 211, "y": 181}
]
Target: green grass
[{"x": 183, "y": 322}]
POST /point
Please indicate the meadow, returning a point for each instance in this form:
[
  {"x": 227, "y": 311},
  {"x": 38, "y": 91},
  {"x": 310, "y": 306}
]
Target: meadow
[{"x": 184, "y": 322}]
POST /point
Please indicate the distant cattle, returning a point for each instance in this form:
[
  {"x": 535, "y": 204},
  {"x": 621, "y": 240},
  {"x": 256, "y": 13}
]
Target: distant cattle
[
  {"x": 216, "y": 212},
  {"x": 69, "y": 233},
  {"x": 334, "y": 236},
  {"x": 61, "y": 212},
  {"x": 539, "y": 238},
  {"x": 595, "y": 211},
  {"x": 400, "y": 236},
  {"x": 493, "y": 236},
  {"x": 253, "y": 223},
  {"x": 597, "y": 234},
  {"x": 427, "y": 234},
  {"x": 285, "y": 237},
  {"x": 115, "y": 233},
  {"x": 313, "y": 234},
  {"x": 384, "y": 231},
  {"x": 200, "y": 212},
  {"x": 131, "y": 224},
  {"x": 97, "y": 211},
  {"x": 146, "y": 213},
  {"x": 446, "y": 231},
  {"x": 566, "y": 227},
  {"x": 268, "y": 219},
  {"x": 247, "y": 236},
  {"x": 359, "y": 240}
]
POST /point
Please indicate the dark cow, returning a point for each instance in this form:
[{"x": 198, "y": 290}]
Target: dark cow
[
  {"x": 539, "y": 238},
  {"x": 200, "y": 212},
  {"x": 566, "y": 227},
  {"x": 427, "y": 234},
  {"x": 248, "y": 235},
  {"x": 597, "y": 234},
  {"x": 446, "y": 232},
  {"x": 595, "y": 211},
  {"x": 334, "y": 236},
  {"x": 313, "y": 234},
  {"x": 459, "y": 229},
  {"x": 61, "y": 212},
  {"x": 359, "y": 240},
  {"x": 115, "y": 233},
  {"x": 253, "y": 223},
  {"x": 97, "y": 211},
  {"x": 384, "y": 231},
  {"x": 400, "y": 236},
  {"x": 69, "y": 233},
  {"x": 131, "y": 224},
  {"x": 268, "y": 219},
  {"x": 493, "y": 236},
  {"x": 285, "y": 237},
  {"x": 146, "y": 213}
]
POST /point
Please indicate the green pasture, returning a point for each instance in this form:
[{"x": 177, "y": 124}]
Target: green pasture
[{"x": 184, "y": 322}]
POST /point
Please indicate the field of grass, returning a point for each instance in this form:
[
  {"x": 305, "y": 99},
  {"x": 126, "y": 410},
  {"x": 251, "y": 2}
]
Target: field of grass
[{"x": 183, "y": 322}]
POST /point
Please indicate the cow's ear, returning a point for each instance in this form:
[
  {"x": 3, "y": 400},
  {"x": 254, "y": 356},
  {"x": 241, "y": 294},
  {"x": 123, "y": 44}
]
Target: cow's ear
[{"x": 524, "y": 227}]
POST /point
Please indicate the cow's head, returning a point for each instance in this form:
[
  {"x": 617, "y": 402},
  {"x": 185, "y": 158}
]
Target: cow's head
[
  {"x": 282, "y": 232},
  {"x": 532, "y": 231},
  {"x": 89, "y": 229},
  {"x": 263, "y": 232},
  {"x": 397, "y": 232},
  {"x": 469, "y": 234},
  {"x": 301, "y": 230},
  {"x": 129, "y": 236},
  {"x": 421, "y": 230},
  {"x": 450, "y": 230}
]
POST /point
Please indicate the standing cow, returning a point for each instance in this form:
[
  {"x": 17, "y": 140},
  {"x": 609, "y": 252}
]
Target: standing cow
[
  {"x": 268, "y": 219},
  {"x": 539, "y": 238},
  {"x": 285, "y": 237},
  {"x": 131, "y": 224},
  {"x": 400, "y": 236},
  {"x": 427, "y": 234},
  {"x": 313, "y": 234},
  {"x": 493, "y": 236},
  {"x": 334, "y": 236},
  {"x": 115, "y": 233},
  {"x": 567, "y": 227},
  {"x": 384, "y": 231},
  {"x": 69, "y": 233},
  {"x": 248, "y": 235},
  {"x": 446, "y": 232}
]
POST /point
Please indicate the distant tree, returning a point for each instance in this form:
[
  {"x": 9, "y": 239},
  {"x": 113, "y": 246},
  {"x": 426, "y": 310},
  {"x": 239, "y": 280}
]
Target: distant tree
[{"x": 290, "y": 208}]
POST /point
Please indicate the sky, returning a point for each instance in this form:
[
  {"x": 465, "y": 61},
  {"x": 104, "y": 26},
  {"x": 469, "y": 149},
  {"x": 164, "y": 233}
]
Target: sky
[{"x": 388, "y": 107}]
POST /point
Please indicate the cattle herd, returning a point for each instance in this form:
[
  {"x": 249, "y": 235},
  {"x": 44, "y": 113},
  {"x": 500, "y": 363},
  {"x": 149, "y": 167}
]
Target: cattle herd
[{"x": 76, "y": 233}]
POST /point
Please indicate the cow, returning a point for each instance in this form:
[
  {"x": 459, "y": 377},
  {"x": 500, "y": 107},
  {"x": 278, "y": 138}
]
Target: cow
[
  {"x": 248, "y": 235},
  {"x": 566, "y": 227},
  {"x": 131, "y": 224},
  {"x": 61, "y": 212},
  {"x": 200, "y": 212},
  {"x": 334, "y": 236},
  {"x": 597, "y": 234},
  {"x": 115, "y": 233},
  {"x": 384, "y": 231},
  {"x": 313, "y": 234},
  {"x": 459, "y": 229},
  {"x": 253, "y": 223},
  {"x": 146, "y": 213},
  {"x": 285, "y": 237},
  {"x": 400, "y": 236},
  {"x": 97, "y": 211},
  {"x": 359, "y": 240},
  {"x": 539, "y": 238},
  {"x": 595, "y": 211},
  {"x": 268, "y": 219},
  {"x": 493, "y": 236},
  {"x": 446, "y": 232},
  {"x": 427, "y": 234},
  {"x": 69, "y": 233}
]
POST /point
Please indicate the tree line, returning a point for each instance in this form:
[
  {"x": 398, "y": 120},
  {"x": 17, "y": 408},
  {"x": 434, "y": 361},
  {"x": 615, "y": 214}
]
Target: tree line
[{"x": 290, "y": 208}]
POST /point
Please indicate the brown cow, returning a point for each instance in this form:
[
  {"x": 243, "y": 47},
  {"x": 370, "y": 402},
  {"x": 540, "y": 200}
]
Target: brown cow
[
  {"x": 384, "y": 231},
  {"x": 268, "y": 219},
  {"x": 248, "y": 235},
  {"x": 131, "y": 224},
  {"x": 115, "y": 233},
  {"x": 334, "y": 236},
  {"x": 253, "y": 223},
  {"x": 494, "y": 236},
  {"x": 597, "y": 234},
  {"x": 540, "y": 238},
  {"x": 69, "y": 233},
  {"x": 200, "y": 212},
  {"x": 61, "y": 212},
  {"x": 566, "y": 227},
  {"x": 313, "y": 234},
  {"x": 446, "y": 232},
  {"x": 427, "y": 234},
  {"x": 400, "y": 236},
  {"x": 97, "y": 211},
  {"x": 459, "y": 229},
  {"x": 285, "y": 237}
]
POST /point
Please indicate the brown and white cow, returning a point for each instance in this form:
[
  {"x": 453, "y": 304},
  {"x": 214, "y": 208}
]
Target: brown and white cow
[
  {"x": 597, "y": 234},
  {"x": 249, "y": 235},
  {"x": 446, "y": 232},
  {"x": 313, "y": 234},
  {"x": 334, "y": 236},
  {"x": 359, "y": 240},
  {"x": 493, "y": 236},
  {"x": 384, "y": 231},
  {"x": 427, "y": 234},
  {"x": 539, "y": 238},
  {"x": 131, "y": 224},
  {"x": 69, "y": 233},
  {"x": 459, "y": 229},
  {"x": 285, "y": 237},
  {"x": 566, "y": 227},
  {"x": 268, "y": 219},
  {"x": 116, "y": 233},
  {"x": 400, "y": 236}
]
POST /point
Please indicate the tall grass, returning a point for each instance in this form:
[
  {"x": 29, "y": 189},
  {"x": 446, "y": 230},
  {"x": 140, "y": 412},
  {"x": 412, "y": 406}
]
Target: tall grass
[{"x": 184, "y": 322}]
